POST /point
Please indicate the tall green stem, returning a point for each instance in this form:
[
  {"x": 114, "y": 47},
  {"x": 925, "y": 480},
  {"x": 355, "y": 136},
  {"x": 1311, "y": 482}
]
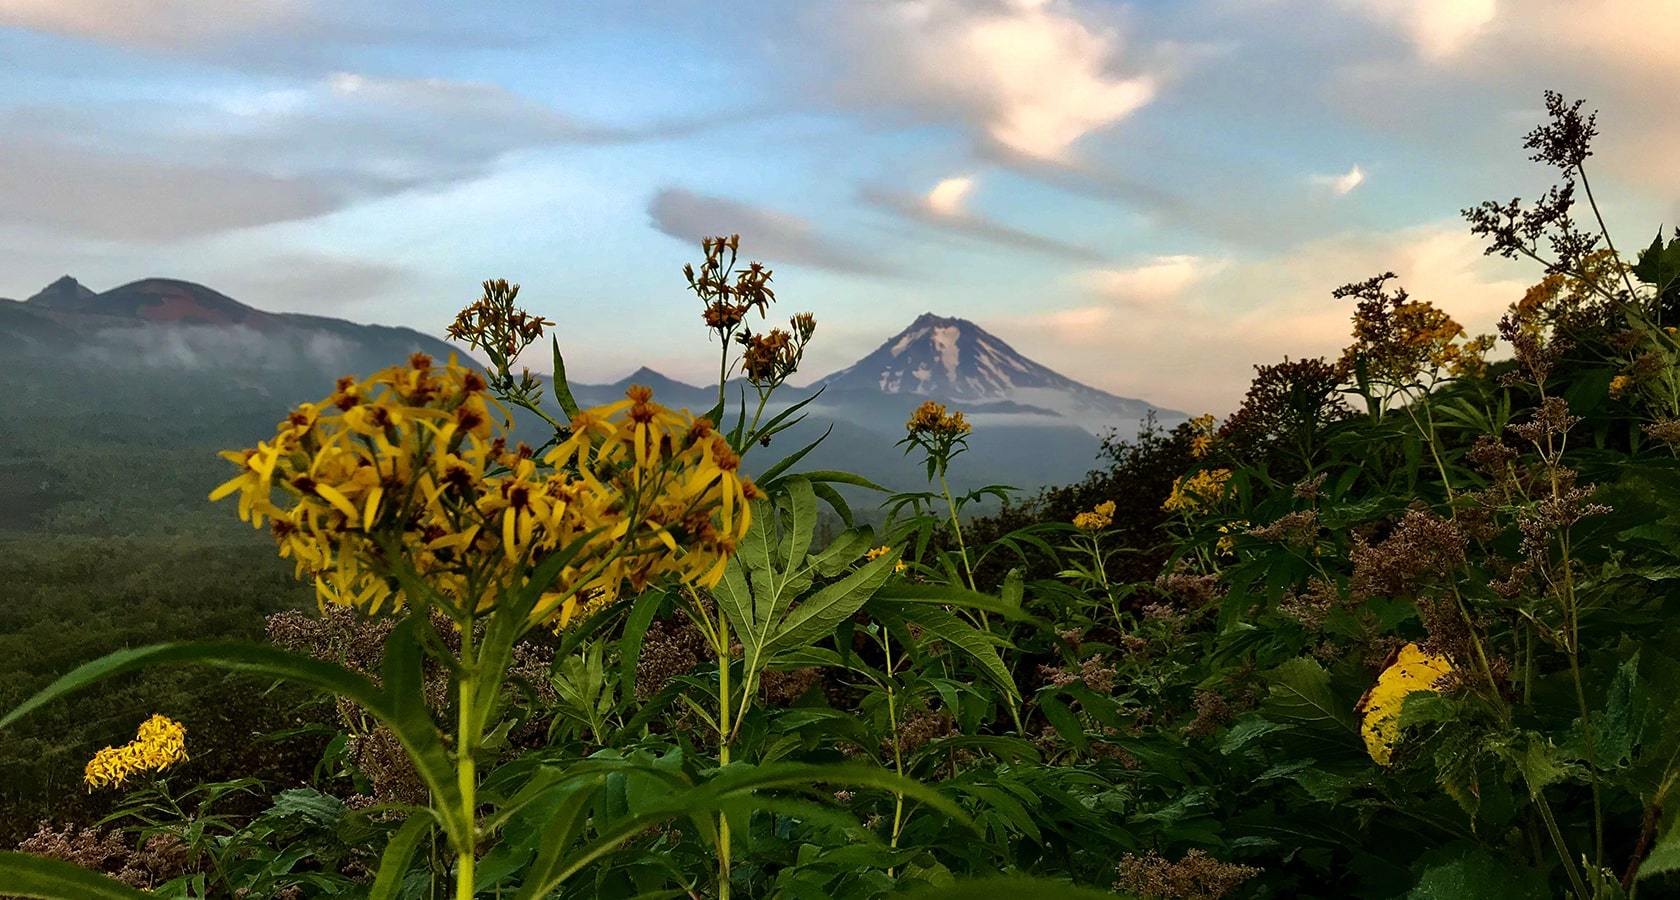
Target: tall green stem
[
  {"x": 898, "y": 751},
  {"x": 956, "y": 528},
  {"x": 466, "y": 773},
  {"x": 723, "y": 746},
  {"x": 1562, "y": 848}
]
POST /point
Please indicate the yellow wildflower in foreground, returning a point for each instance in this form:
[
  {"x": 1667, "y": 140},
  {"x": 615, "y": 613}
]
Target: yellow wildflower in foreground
[
  {"x": 1097, "y": 518},
  {"x": 1193, "y": 493},
  {"x": 1414, "y": 670},
  {"x": 405, "y": 483},
  {"x": 160, "y": 743}
]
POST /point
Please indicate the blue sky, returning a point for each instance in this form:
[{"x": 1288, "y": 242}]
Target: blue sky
[{"x": 1150, "y": 197}]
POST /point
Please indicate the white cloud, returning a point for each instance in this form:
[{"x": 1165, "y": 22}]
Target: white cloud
[
  {"x": 1159, "y": 281},
  {"x": 1030, "y": 77},
  {"x": 948, "y": 196},
  {"x": 1439, "y": 29},
  {"x": 1344, "y": 183}
]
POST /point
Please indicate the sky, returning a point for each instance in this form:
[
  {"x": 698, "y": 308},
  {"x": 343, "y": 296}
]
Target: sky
[{"x": 1149, "y": 197}]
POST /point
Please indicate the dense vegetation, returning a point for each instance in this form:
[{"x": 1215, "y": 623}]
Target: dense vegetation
[{"x": 1401, "y": 626}]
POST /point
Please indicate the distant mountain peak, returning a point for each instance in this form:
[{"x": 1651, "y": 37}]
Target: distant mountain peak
[
  {"x": 949, "y": 357},
  {"x": 151, "y": 300},
  {"x": 955, "y": 360},
  {"x": 66, "y": 291}
]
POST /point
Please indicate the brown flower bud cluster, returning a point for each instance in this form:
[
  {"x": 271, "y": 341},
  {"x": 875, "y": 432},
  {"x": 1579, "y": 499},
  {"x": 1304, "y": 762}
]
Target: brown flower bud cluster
[
  {"x": 493, "y": 324},
  {"x": 769, "y": 359},
  {"x": 159, "y": 858},
  {"x": 726, "y": 293},
  {"x": 1194, "y": 876}
]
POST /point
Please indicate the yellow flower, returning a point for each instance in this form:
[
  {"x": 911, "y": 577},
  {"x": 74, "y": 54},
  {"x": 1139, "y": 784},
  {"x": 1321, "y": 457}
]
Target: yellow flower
[
  {"x": 1414, "y": 670},
  {"x": 1202, "y": 432},
  {"x": 161, "y": 742},
  {"x": 931, "y": 421},
  {"x": 405, "y": 483},
  {"x": 940, "y": 435},
  {"x": 1097, "y": 518},
  {"x": 1619, "y": 385},
  {"x": 899, "y": 567},
  {"x": 1198, "y": 491}
]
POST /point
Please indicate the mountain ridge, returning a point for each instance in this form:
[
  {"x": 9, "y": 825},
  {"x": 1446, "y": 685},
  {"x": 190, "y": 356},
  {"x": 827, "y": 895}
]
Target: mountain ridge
[{"x": 81, "y": 355}]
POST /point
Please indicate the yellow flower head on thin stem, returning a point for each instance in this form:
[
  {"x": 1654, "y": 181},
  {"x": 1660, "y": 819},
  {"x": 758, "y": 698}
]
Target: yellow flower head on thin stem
[
  {"x": 942, "y": 435},
  {"x": 1412, "y": 671},
  {"x": 161, "y": 742}
]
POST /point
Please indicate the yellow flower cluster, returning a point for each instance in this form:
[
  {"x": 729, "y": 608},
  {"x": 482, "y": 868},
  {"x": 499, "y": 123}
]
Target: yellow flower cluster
[
  {"x": 1619, "y": 385},
  {"x": 404, "y": 483},
  {"x": 1198, "y": 491},
  {"x": 931, "y": 421},
  {"x": 160, "y": 743},
  {"x": 1412, "y": 671},
  {"x": 1201, "y": 435},
  {"x": 1096, "y": 518},
  {"x": 878, "y": 552},
  {"x": 1409, "y": 339}
]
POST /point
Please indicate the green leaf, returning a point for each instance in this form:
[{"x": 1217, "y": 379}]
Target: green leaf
[
  {"x": 802, "y": 509},
  {"x": 22, "y": 875},
  {"x": 1300, "y": 690},
  {"x": 1664, "y": 857},
  {"x": 1619, "y": 728},
  {"x": 977, "y": 644},
  {"x": 821, "y": 612},
  {"x": 835, "y": 501},
  {"x": 952, "y": 595},
  {"x": 1477, "y": 875},
  {"x": 1065, "y": 722},
  {"x": 725, "y": 790},
  {"x": 399, "y": 852},
  {"x": 1659, "y": 266},
  {"x": 568, "y": 812},
  {"x": 830, "y": 476},
  {"x": 1539, "y": 765},
  {"x": 630, "y": 643},
  {"x": 562, "y": 390}
]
